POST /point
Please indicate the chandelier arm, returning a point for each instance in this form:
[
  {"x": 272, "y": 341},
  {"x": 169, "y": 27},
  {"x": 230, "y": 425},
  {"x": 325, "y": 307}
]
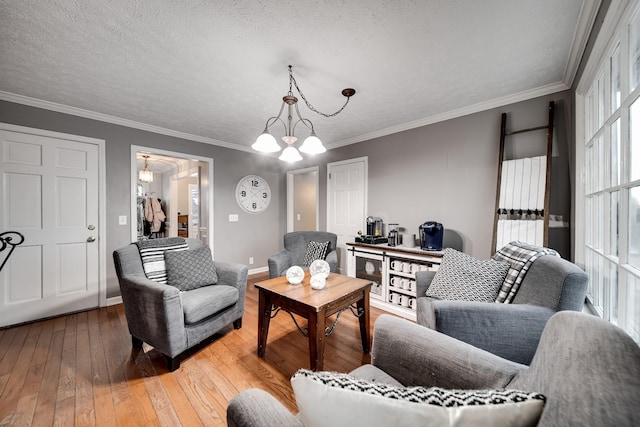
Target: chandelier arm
[
  {"x": 311, "y": 107},
  {"x": 273, "y": 120},
  {"x": 305, "y": 122}
]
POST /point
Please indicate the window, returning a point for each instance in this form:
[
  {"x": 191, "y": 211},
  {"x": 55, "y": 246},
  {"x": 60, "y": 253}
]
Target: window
[{"x": 608, "y": 181}]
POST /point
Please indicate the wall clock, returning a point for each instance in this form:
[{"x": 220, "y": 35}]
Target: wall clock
[{"x": 253, "y": 194}]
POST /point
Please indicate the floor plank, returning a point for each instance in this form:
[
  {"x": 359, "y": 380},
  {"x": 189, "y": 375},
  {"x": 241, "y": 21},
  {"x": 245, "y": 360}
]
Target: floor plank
[{"x": 80, "y": 369}]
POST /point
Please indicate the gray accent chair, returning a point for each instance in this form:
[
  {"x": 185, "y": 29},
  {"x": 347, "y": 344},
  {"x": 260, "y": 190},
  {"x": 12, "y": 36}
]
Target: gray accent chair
[
  {"x": 295, "y": 248},
  {"x": 511, "y": 331},
  {"x": 172, "y": 321},
  {"x": 588, "y": 369}
]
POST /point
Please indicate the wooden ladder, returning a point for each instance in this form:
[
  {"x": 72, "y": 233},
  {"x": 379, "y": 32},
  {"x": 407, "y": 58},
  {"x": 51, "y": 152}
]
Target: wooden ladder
[{"x": 522, "y": 194}]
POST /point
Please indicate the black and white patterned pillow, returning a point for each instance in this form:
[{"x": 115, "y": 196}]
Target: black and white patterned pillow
[
  {"x": 315, "y": 250},
  {"x": 189, "y": 270},
  {"x": 464, "y": 278},
  {"x": 152, "y": 254},
  {"x": 384, "y": 404}
]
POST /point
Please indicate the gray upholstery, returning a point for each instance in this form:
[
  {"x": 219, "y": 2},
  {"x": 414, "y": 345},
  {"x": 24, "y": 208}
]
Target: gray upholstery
[
  {"x": 511, "y": 331},
  {"x": 588, "y": 369},
  {"x": 170, "y": 322},
  {"x": 295, "y": 248}
]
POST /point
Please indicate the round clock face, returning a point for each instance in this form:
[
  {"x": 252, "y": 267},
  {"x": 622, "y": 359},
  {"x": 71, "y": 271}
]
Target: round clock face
[{"x": 253, "y": 194}]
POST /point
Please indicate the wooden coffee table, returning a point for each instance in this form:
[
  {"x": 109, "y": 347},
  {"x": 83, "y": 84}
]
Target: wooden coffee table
[{"x": 339, "y": 294}]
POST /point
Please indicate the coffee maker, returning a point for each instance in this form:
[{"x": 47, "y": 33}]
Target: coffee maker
[
  {"x": 394, "y": 235},
  {"x": 431, "y": 233},
  {"x": 374, "y": 226},
  {"x": 374, "y": 232}
]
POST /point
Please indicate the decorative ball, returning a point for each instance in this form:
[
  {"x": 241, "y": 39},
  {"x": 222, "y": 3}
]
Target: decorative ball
[
  {"x": 318, "y": 281},
  {"x": 320, "y": 266},
  {"x": 295, "y": 274}
]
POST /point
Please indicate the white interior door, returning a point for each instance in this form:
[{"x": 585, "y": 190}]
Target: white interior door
[
  {"x": 49, "y": 194},
  {"x": 346, "y": 202}
]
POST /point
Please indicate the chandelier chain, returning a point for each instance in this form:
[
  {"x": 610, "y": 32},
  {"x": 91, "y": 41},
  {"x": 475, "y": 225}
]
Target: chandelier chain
[{"x": 311, "y": 107}]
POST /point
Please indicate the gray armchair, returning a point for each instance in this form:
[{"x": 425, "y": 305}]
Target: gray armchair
[
  {"x": 170, "y": 320},
  {"x": 295, "y": 248},
  {"x": 587, "y": 368},
  {"x": 511, "y": 331}
]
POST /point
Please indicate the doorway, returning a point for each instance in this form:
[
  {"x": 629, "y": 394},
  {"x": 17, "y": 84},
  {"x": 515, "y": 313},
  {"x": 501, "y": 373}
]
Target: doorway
[
  {"x": 303, "y": 200},
  {"x": 182, "y": 186}
]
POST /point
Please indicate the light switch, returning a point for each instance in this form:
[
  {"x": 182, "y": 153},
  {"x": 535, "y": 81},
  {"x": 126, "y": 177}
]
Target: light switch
[
  {"x": 233, "y": 217},
  {"x": 298, "y": 217},
  {"x": 122, "y": 220}
]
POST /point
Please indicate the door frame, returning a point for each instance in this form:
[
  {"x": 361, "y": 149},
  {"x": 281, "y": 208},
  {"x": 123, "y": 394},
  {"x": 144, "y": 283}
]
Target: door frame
[
  {"x": 291, "y": 195},
  {"x": 179, "y": 155},
  {"x": 102, "y": 195}
]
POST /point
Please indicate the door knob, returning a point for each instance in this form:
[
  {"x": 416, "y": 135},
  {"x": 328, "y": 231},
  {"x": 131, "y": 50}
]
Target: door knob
[{"x": 91, "y": 239}]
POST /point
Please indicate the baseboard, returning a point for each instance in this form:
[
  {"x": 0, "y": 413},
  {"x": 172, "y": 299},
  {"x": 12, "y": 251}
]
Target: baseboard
[
  {"x": 258, "y": 270},
  {"x": 114, "y": 300}
]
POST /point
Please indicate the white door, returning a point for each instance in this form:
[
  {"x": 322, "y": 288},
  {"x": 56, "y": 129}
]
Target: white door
[
  {"x": 49, "y": 194},
  {"x": 346, "y": 202}
]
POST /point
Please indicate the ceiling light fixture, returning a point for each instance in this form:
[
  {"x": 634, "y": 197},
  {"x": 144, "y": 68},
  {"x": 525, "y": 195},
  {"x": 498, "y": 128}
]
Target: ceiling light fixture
[
  {"x": 145, "y": 175},
  {"x": 266, "y": 143}
]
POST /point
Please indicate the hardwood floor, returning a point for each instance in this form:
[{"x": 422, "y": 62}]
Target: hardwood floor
[{"x": 81, "y": 370}]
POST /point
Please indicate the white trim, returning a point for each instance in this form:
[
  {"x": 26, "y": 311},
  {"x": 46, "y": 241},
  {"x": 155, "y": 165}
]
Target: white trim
[
  {"x": 586, "y": 18},
  {"x": 102, "y": 195},
  {"x": 290, "y": 196},
  {"x": 258, "y": 270},
  {"x": 79, "y": 112},
  {"x": 476, "y": 108},
  {"x": 180, "y": 155},
  {"x": 113, "y": 301},
  {"x": 479, "y": 107},
  {"x": 602, "y": 44}
]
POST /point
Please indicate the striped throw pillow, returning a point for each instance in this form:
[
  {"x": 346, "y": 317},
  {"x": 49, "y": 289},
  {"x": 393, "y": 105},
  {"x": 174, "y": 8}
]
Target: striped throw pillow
[{"x": 152, "y": 255}]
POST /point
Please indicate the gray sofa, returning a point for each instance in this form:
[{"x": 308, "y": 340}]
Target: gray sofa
[
  {"x": 587, "y": 368},
  {"x": 295, "y": 248},
  {"x": 160, "y": 314},
  {"x": 511, "y": 331}
]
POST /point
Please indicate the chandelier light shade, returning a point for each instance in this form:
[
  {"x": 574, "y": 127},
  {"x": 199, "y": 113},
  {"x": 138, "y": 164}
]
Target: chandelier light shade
[
  {"x": 266, "y": 143},
  {"x": 145, "y": 175}
]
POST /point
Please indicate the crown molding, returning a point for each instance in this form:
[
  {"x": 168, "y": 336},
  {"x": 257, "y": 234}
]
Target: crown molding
[
  {"x": 483, "y": 106},
  {"x": 79, "y": 112},
  {"x": 476, "y": 108},
  {"x": 586, "y": 18}
]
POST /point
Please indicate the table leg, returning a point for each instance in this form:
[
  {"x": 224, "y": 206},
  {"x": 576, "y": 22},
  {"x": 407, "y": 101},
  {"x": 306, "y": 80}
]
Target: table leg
[
  {"x": 264, "y": 317},
  {"x": 365, "y": 328},
  {"x": 317, "y": 322}
]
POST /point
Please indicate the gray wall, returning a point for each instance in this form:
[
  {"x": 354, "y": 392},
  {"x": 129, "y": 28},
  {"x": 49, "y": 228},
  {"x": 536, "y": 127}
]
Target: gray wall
[
  {"x": 447, "y": 172},
  {"x": 254, "y": 235},
  {"x": 444, "y": 172}
]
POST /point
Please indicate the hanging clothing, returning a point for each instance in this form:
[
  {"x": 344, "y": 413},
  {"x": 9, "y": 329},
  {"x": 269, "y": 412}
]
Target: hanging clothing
[{"x": 154, "y": 214}]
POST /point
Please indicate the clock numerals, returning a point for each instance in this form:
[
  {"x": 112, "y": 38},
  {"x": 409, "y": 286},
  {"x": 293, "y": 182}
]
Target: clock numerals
[{"x": 253, "y": 194}]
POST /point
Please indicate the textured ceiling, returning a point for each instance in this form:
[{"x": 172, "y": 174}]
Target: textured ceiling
[{"x": 216, "y": 70}]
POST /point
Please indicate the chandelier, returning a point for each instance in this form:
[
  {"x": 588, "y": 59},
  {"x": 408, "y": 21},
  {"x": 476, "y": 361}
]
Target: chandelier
[
  {"x": 266, "y": 143},
  {"x": 145, "y": 175}
]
